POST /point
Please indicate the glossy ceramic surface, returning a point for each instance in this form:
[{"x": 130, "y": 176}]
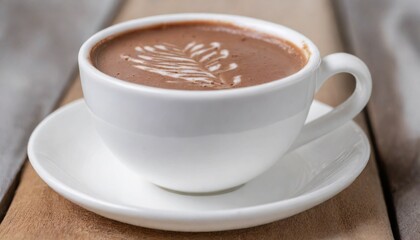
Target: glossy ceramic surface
[
  {"x": 214, "y": 140},
  {"x": 70, "y": 157}
]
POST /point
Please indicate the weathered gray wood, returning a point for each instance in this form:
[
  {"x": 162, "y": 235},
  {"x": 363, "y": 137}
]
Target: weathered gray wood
[
  {"x": 386, "y": 34},
  {"x": 39, "y": 41}
]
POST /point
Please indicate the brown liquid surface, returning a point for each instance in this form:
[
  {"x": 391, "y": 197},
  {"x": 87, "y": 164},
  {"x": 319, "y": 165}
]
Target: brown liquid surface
[{"x": 197, "y": 56}]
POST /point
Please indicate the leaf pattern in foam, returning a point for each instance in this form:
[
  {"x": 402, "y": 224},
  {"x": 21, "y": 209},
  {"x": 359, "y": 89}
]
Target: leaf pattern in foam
[{"x": 196, "y": 63}]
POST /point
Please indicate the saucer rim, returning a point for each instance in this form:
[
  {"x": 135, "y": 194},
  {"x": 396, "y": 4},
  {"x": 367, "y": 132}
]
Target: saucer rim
[{"x": 90, "y": 202}]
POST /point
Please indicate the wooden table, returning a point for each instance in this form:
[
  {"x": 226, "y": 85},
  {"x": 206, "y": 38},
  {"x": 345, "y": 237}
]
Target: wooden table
[{"x": 359, "y": 212}]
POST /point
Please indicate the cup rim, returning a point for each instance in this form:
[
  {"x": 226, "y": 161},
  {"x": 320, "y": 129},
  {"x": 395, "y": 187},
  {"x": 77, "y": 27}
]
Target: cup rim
[{"x": 250, "y": 23}]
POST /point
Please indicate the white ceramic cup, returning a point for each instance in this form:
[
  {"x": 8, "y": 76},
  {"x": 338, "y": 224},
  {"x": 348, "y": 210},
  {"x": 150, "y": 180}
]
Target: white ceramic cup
[{"x": 205, "y": 141}]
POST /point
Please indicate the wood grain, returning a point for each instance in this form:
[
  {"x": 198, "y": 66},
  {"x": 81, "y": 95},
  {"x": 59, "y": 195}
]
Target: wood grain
[
  {"x": 38, "y": 44},
  {"x": 358, "y": 212},
  {"x": 386, "y": 35}
]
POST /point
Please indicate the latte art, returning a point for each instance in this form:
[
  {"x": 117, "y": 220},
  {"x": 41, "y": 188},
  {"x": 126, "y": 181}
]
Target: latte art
[
  {"x": 195, "y": 63},
  {"x": 198, "y": 56}
]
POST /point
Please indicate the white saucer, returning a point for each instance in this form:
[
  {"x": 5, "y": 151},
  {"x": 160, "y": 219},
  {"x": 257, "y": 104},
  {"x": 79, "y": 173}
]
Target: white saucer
[{"x": 68, "y": 155}]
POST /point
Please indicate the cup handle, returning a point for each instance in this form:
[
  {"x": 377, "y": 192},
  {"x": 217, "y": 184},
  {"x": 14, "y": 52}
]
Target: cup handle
[{"x": 331, "y": 65}]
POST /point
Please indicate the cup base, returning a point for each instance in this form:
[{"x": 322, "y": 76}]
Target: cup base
[{"x": 218, "y": 192}]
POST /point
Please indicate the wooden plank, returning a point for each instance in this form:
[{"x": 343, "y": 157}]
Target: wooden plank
[
  {"x": 386, "y": 34},
  {"x": 39, "y": 41},
  {"x": 359, "y": 212}
]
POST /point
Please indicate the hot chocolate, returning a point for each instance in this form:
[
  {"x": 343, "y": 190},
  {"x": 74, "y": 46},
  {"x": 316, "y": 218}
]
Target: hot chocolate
[{"x": 197, "y": 56}]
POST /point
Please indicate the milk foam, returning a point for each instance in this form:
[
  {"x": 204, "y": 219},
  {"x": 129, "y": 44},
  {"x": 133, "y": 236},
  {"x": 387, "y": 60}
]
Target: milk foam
[{"x": 196, "y": 63}]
